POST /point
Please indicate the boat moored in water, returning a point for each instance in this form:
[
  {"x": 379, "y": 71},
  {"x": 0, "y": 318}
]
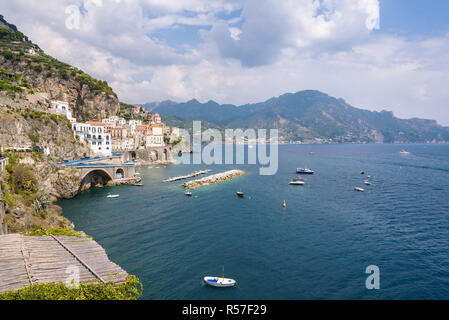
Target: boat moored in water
[
  {"x": 112, "y": 196},
  {"x": 359, "y": 189},
  {"x": 219, "y": 282},
  {"x": 304, "y": 171},
  {"x": 188, "y": 193},
  {"x": 297, "y": 182}
]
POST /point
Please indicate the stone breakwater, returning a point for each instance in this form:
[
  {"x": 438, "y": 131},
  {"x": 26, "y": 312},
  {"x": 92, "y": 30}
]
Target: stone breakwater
[
  {"x": 119, "y": 182},
  {"x": 191, "y": 175},
  {"x": 215, "y": 178}
]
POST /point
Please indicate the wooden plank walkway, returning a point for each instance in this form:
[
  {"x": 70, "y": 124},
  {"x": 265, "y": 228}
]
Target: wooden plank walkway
[{"x": 28, "y": 260}]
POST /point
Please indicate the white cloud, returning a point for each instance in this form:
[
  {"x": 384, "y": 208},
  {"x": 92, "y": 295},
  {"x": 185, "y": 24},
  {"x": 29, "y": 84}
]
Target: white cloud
[{"x": 272, "y": 48}]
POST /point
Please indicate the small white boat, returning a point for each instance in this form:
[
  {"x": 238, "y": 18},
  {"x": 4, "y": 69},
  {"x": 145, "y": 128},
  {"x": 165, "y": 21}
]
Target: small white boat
[
  {"x": 297, "y": 183},
  {"x": 367, "y": 183},
  {"x": 219, "y": 282},
  {"x": 359, "y": 189},
  {"x": 188, "y": 193},
  {"x": 112, "y": 196},
  {"x": 404, "y": 152}
]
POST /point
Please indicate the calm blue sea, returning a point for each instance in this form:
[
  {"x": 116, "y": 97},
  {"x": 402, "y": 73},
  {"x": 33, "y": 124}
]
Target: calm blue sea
[{"x": 318, "y": 247}]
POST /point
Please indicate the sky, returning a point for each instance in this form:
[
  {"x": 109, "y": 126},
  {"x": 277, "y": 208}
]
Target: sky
[{"x": 375, "y": 54}]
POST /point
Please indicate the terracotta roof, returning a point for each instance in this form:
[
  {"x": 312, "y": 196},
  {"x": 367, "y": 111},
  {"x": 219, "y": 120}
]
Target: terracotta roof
[{"x": 96, "y": 123}]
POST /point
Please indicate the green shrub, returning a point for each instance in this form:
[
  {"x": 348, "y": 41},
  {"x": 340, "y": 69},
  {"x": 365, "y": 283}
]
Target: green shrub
[
  {"x": 57, "y": 232},
  {"x": 131, "y": 289},
  {"x": 22, "y": 178},
  {"x": 55, "y": 118},
  {"x": 8, "y": 55},
  {"x": 34, "y": 137},
  {"x": 63, "y": 74}
]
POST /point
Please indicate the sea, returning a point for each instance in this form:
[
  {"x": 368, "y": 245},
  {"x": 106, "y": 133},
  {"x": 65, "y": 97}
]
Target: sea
[{"x": 322, "y": 245}]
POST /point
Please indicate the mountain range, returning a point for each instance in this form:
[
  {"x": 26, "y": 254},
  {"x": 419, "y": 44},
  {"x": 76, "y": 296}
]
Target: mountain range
[{"x": 309, "y": 117}]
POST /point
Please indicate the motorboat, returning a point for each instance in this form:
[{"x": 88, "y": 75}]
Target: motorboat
[
  {"x": 362, "y": 172},
  {"x": 112, "y": 196},
  {"x": 138, "y": 184},
  {"x": 367, "y": 183},
  {"x": 297, "y": 182},
  {"x": 359, "y": 189},
  {"x": 304, "y": 171},
  {"x": 403, "y": 151},
  {"x": 219, "y": 282},
  {"x": 188, "y": 193}
]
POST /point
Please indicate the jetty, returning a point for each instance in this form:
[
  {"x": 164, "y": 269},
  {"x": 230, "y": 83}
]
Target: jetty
[
  {"x": 213, "y": 179},
  {"x": 28, "y": 260},
  {"x": 190, "y": 175}
]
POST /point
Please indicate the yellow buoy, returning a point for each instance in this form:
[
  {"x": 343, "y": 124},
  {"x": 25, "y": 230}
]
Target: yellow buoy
[{"x": 284, "y": 204}]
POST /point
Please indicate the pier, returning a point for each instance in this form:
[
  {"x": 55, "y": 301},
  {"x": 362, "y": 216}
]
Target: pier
[
  {"x": 191, "y": 175},
  {"x": 213, "y": 179},
  {"x": 28, "y": 260}
]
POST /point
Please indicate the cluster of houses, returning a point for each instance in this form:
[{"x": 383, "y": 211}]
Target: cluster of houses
[{"x": 116, "y": 134}]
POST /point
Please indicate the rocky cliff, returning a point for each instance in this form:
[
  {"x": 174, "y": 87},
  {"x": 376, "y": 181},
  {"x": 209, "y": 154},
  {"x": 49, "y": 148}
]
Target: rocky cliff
[
  {"x": 34, "y": 138},
  {"x": 90, "y": 99}
]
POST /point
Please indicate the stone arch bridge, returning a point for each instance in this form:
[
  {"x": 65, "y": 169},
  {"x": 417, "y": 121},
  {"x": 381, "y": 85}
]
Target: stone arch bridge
[{"x": 102, "y": 170}]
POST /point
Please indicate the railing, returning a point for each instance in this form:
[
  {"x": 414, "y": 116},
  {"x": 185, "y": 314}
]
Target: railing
[
  {"x": 123, "y": 149},
  {"x": 3, "y": 163}
]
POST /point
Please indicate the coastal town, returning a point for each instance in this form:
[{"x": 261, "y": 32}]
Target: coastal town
[{"x": 143, "y": 130}]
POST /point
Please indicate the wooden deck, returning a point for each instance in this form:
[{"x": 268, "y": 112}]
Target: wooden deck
[{"x": 28, "y": 260}]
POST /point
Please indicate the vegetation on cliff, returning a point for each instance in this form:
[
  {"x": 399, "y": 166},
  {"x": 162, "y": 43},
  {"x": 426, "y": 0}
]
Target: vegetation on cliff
[
  {"x": 27, "y": 207},
  {"x": 25, "y": 68},
  {"x": 131, "y": 289}
]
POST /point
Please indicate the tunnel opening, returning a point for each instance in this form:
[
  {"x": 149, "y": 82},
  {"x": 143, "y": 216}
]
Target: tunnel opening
[
  {"x": 95, "y": 178},
  {"x": 119, "y": 174}
]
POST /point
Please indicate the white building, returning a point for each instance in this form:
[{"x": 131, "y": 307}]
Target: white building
[
  {"x": 62, "y": 108},
  {"x": 125, "y": 144},
  {"x": 175, "y": 131},
  {"x": 115, "y": 121},
  {"x": 156, "y": 139},
  {"x": 133, "y": 126},
  {"x": 93, "y": 132}
]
